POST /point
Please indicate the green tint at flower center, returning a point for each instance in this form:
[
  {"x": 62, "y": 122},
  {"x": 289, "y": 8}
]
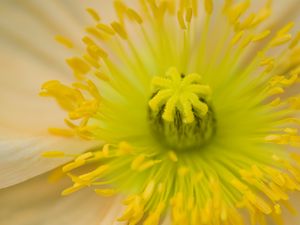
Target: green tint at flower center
[{"x": 180, "y": 113}]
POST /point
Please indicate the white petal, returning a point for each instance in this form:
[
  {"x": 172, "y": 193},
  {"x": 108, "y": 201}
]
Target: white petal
[
  {"x": 38, "y": 202},
  {"x": 166, "y": 220},
  {"x": 24, "y": 120},
  {"x": 28, "y": 57},
  {"x": 284, "y": 12},
  {"x": 289, "y": 218},
  {"x": 20, "y": 159},
  {"x": 22, "y": 110}
]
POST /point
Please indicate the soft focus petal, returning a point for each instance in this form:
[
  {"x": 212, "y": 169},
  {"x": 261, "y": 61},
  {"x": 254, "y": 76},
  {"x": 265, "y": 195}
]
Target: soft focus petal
[
  {"x": 36, "y": 202},
  {"x": 24, "y": 119},
  {"x": 292, "y": 218},
  {"x": 22, "y": 110},
  {"x": 20, "y": 158},
  {"x": 28, "y": 57},
  {"x": 285, "y": 11}
]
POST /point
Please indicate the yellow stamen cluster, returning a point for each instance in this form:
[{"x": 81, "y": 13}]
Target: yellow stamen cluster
[
  {"x": 78, "y": 106},
  {"x": 248, "y": 66},
  {"x": 290, "y": 137}
]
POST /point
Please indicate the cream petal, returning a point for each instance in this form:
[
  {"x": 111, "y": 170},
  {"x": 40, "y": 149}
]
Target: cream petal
[
  {"x": 24, "y": 119},
  {"x": 166, "y": 220},
  {"x": 285, "y": 12},
  {"x": 31, "y": 25},
  {"x": 28, "y": 57},
  {"x": 22, "y": 110},
  {"x": 37, "y": 202},
  {"x": 21, "y": 159},
  {"x": 289, "y": 218}
]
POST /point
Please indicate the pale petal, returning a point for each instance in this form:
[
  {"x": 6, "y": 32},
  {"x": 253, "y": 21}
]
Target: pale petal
[
  {"x": 37, "y": 202},
  {"x": 289, "y": 218},
  {"x": 166, "y": 220},
  {"x": 24, "y": 120},
  {"x": 28, "y": 57},
  {"x": 285, "y": 12},
  {"x": 21, "y": 159},
  {"x": 22, "y": 110}
]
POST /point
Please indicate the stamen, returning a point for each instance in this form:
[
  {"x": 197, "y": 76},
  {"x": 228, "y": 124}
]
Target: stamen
[
  {"x": 181, "y": 20},
  {"x": 53, "y": 154},
  {"x": 105, "y": 192},
  {"x": 64, "y": 41},
  {"x": 93, "y": 31},
  {"x": 93, "y": 14},
  {"x": 119, "y": 29},
  {"x": 105, "y": 28},
  {"x": 208, "y": 6},
  {"x": 134, "y": 16},
  {"x": 295, "y": 42},
  {"x": 61, "y": 132},
  {"x": 78, "y": 66},
  {"x": 261, "y": 36}
]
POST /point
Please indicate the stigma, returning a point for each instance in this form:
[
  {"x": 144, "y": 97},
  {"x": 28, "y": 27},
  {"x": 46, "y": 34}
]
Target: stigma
[{"x": 180, "y": 111}]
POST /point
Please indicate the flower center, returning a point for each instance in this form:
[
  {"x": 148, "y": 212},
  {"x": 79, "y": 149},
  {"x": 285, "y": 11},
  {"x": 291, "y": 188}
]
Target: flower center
[{"x": 180, "y": 114}]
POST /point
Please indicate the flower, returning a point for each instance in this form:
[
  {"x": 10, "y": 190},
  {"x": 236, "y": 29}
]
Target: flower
[{"x": 193, "y": 124}]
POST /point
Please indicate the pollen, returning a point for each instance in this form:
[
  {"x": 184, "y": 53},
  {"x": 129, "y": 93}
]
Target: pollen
[{"x": 190, "y": 103}]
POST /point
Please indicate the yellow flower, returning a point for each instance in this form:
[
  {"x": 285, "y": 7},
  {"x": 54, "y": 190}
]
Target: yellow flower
[{"x": 193, "y": 102}]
